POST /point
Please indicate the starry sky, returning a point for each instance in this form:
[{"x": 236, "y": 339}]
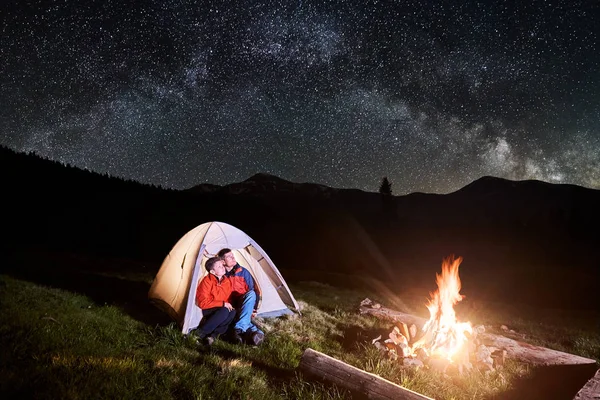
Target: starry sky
[{"x": 432, "y": 94}]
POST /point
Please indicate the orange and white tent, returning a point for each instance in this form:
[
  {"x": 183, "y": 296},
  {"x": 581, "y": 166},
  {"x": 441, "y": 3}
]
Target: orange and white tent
[{"x": 174, "y": 288}]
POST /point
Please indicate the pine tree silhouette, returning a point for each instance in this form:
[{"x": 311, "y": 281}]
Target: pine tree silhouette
[{"x": 386, "y": 187}]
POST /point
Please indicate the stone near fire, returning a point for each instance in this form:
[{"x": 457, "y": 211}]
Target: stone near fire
[
  {"x": 366, "y": 302},
  {"x": 478, "y": 329},
  {"x": 412, "y": 362},
  {"x": 380, "y": 347}
]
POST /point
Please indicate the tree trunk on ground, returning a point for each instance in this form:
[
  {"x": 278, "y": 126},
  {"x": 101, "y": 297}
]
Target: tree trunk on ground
[
  {"x": 394, "y": 316},
  {"x": 347, "y": 376},
  {"x": 591, "y": 390},
  {"x": 535, "y": 355}
]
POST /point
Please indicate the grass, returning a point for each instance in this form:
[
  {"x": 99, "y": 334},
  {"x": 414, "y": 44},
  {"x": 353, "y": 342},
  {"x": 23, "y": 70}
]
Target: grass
[{"x": 60, "y": 344}]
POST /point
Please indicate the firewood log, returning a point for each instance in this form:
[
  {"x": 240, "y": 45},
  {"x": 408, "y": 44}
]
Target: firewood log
[{"x": 327, "y": 368}]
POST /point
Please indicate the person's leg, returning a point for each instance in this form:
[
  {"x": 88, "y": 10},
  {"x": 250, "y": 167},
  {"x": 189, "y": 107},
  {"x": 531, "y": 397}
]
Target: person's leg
[
  {"x": 249, "y": 301},
  {"x": 244, "y": 318},
  {"x": 211, "y": 319},
  {"x": 227, "y": 318}
]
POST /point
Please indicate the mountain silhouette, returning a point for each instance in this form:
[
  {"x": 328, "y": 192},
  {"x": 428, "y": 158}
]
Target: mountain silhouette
[{"x": 533, "y": 240}]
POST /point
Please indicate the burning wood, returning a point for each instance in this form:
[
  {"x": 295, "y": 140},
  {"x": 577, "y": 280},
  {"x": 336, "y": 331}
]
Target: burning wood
[
  {"x": 404, "y": 346},
  {"x": 443, "y": 335},
  {"x": 443, "y": 341}
]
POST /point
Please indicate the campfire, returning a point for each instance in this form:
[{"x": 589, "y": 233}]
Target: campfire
[
  {"x": 443, "y": 341},
  {"x": 443, "y": 335}
]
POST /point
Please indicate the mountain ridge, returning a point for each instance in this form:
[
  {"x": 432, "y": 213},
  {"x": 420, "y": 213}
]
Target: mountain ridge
[
  {"x": 480, "y": 185},
  {"x": 525, "y": 229}
]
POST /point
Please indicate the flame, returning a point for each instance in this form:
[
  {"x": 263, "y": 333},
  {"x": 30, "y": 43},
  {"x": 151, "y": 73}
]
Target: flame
[{"x": 444, "y": 336}]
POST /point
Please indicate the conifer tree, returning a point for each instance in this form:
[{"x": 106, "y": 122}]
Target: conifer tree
[{"x": 386, "y": 187}]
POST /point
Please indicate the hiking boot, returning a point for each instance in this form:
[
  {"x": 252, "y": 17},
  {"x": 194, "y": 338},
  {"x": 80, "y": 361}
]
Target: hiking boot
[
  {"x": 236, "y": 336},
  {"x": 257, "y": 338},
  {"x": 209, "y": 340},
  {"x": 197, "y": 336}
]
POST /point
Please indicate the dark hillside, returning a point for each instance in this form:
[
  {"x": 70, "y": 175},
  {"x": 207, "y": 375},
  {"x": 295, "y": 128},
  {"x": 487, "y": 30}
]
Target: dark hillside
[{"x": 524, "y": 241}]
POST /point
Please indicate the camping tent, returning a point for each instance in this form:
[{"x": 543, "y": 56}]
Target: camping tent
[{"x": 174, "y": 288}]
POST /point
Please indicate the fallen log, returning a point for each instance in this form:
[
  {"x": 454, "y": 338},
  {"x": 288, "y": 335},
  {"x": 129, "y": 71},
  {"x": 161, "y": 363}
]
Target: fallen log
[
  {"x": 535, "y": 355},
  {"x": 591, "y": 390},
  {"x": 391, "y": 315},
  {"x": 327, "y": 368},
  {"x": 516, "y": 350}
]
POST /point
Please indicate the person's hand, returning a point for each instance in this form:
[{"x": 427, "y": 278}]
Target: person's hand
[{"x": 228, "y": 306}]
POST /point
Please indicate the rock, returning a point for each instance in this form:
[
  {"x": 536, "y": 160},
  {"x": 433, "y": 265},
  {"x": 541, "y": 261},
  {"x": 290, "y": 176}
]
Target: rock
[
  {"x": 479, "y": 329},
  {"x": 412, "y": 362},
  {"x": 380, "y": 347}
]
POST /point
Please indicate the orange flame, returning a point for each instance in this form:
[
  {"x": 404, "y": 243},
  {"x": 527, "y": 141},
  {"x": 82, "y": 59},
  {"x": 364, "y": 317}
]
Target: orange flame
[{"x": 444, "y": 335}]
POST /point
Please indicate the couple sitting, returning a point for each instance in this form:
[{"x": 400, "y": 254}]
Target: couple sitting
[{"x": 226, "y": 294}]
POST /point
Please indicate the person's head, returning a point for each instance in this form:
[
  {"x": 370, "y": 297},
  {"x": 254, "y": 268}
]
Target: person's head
[
  {"x": 214, "y": 265},
  {"x": 228, "y": 258}
]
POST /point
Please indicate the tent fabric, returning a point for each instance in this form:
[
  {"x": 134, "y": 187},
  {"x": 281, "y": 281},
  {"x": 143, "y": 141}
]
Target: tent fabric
[{"x": 174, "y": 288}]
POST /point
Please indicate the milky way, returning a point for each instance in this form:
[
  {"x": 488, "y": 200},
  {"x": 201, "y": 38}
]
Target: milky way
[{"x": 431, "y": 94}]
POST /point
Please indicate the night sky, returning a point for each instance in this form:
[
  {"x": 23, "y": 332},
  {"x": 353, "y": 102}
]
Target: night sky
[{"x": 432, "y": 94}]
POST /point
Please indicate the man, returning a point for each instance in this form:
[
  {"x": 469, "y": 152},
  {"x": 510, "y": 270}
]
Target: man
[
  {"x": 245, "y": 297},
  {"x": 212, "y": 296}
]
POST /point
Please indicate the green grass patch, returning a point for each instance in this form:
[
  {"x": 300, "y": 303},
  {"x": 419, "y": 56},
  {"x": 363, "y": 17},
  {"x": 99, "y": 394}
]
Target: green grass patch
[{"x": 58, "y": 344}]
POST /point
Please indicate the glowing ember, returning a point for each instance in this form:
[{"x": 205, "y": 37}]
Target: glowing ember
[{"x": 444, "y": 336}]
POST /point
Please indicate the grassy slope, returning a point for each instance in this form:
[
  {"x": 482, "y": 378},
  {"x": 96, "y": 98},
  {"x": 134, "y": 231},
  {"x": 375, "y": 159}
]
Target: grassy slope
[{"x": 58, "y": 344}]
